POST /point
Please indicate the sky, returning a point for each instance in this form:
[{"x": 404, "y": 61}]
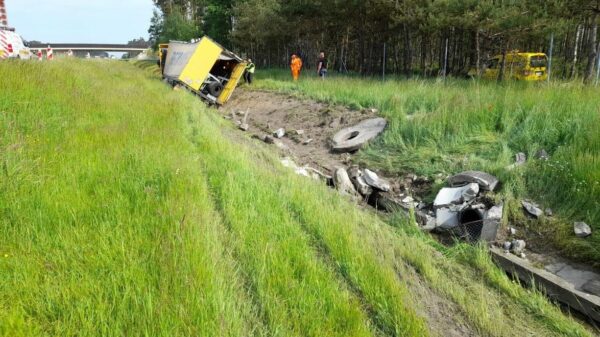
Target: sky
[{"x": 80, "y": 21}]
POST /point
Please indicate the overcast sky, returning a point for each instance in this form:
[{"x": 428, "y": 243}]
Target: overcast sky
[{"x": 84, "y": 21}]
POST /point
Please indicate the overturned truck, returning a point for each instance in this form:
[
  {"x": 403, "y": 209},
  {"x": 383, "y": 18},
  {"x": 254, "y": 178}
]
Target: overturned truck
[{"x": 205, "y": 68}]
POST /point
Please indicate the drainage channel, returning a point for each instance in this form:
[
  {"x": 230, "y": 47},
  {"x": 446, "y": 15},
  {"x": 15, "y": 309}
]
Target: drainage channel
[{"x": 552, "y": 285}]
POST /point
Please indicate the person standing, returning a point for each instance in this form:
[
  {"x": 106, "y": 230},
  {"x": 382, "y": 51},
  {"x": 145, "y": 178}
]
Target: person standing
[
  {"x": 249, "y": 73},
  {"x": 322, "y": 66},
  {"x": 296, "y": 66}
]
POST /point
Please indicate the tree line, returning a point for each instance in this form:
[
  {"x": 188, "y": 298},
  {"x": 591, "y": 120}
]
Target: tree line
[{"x": 410, "y": 37}]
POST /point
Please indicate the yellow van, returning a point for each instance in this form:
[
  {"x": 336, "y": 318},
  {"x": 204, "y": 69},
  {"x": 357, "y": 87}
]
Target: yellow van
[{"x": 518, "y": 66}]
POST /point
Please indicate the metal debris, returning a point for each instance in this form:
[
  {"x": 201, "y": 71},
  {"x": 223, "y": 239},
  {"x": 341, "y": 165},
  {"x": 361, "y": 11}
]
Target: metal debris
[
  {"x": 372, "y": 179},
  {"x": 455, "y": 196},
  {"x": 485, "y": 180}
]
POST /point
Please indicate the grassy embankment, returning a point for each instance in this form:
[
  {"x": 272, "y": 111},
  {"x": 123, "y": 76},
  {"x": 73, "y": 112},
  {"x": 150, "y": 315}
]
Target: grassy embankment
[
  {"x": 438, "y": 127},
  {"x": 128, "y": 209}
]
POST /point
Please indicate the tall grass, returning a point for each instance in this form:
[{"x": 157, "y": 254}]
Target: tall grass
[
  {"x": 106, "y": 227},
  {"x": 449, "y": 126},
  {"x": 130, "y": 209}
]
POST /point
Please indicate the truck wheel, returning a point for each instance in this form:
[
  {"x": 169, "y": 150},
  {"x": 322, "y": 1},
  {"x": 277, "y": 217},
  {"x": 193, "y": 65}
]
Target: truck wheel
[
  {"x": 215, "y": 89},
  {"x": 353, "y": 138}
]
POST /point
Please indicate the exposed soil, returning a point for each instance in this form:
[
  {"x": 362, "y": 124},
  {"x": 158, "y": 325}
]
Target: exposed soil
[
  {"x": 317, "y": 122},
  {"x": 268, "y": 112}
]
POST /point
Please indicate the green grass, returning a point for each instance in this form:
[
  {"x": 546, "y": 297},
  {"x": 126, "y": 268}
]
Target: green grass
[
  {"x": 130, "y": 209},
  {"x": 446, "y": 127}
]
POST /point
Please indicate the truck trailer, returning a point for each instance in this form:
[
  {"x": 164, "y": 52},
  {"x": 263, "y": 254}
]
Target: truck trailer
[{"x": 204, "y": 67}]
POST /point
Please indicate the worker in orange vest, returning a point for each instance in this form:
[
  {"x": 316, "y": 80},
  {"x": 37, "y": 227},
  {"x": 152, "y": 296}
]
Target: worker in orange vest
[{"x": 296, "y": 66}]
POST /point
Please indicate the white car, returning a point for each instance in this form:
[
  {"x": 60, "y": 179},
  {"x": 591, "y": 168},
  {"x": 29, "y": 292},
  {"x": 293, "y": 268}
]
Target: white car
[{"x": 12, "y": 45}]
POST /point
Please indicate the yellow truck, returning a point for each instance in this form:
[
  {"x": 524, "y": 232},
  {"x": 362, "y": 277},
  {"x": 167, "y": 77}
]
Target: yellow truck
[
  {"x": 518, "y": 66},
  {"x": 204, "y": 67}
]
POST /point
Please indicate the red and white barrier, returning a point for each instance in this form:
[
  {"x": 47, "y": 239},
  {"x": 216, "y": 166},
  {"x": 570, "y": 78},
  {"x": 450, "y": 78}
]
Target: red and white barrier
[
  {"x": 49, "y": 52},
  {"x": 4, "y": 47},
  {"x": 3, "y": 17},
  {"x": 40, "y": 55}
]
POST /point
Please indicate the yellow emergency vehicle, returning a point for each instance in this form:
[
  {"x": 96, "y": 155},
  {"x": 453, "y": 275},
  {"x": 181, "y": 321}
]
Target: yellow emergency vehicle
[{"x": 518, "y": 66}]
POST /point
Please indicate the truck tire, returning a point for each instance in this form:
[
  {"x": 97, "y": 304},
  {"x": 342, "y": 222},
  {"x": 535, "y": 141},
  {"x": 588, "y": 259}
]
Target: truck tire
[
  {"x": 215, "y": 89},
  {"x": 353, "y": 138}
]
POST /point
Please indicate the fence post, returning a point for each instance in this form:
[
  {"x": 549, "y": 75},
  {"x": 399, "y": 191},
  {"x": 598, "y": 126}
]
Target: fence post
[
  {"x": 384, "y": 63},
  {"x": 550, "y": 51}
]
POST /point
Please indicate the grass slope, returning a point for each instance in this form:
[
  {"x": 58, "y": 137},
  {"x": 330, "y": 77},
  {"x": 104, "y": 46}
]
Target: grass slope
[
  {"x": 446, "y": 127},
  {"x": 130, "y": 209}
]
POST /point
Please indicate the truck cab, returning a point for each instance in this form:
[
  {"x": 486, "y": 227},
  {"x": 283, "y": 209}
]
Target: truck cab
[{"x": 12, "y": 45}]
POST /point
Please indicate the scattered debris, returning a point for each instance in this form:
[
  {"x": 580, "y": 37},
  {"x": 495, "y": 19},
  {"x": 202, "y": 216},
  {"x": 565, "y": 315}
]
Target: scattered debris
[
  {"x": 512, "y": 231},
  {"x": 426, "y": 221},
  {"x": 353, "y": 138},
  {"x": 343, "y": 183},
  {"x": 279, "y": 133},
  {"x": 372, "y": 179},
  {"x": 549, "y": 212},
  {"x": 491, "y": 223},
  {"x": 306, "y": 171},
  {"x": 506, "y": 246},
  {"x": 520, "y": 159},
  {"x": 268, "y": 139},
  {"x": 243, "y": 125},
  {"x": 356, "y": 176},
  {"x": 408, "y": 200},
  {"x": 517, "y": 247},
  {"x": 319, "y": 175},
  {"x": 447, "y": 218},
  {"x": 485, "y": 180},
  {"x": 542, "y": 155},
  {"x": 299, "y": 132},
  {"x": 532, "y": 208},
  {"x": 582, "y": 229},
  {"x": 455, "y": 196},
  {"x": 308, "y": 141},
  {"x": 385, "y": 201}
]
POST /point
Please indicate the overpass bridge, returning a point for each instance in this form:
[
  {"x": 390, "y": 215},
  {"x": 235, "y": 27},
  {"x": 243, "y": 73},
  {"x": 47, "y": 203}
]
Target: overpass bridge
[{"x": 89, "y": 47}]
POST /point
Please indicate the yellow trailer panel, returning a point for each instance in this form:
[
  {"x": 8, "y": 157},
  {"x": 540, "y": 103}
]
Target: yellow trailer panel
[
  {"x": 197, "y": 69},
  {"x": 237, "y": 74}
]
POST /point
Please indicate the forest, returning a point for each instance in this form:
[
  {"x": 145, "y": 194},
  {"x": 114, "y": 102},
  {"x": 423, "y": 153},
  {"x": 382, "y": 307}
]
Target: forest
[{"x": 407, "y": 37}]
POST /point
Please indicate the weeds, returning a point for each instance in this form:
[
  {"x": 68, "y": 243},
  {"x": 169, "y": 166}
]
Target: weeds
[{"x": 445, "y": 127}]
